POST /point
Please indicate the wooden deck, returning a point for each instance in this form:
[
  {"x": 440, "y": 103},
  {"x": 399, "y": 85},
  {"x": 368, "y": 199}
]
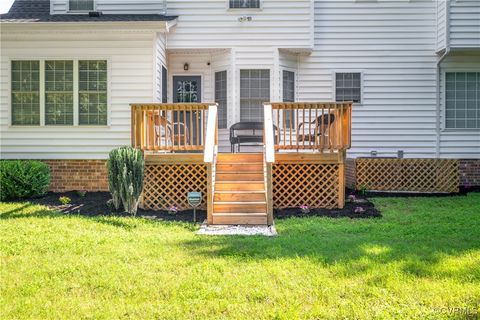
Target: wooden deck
[{"x": 302, "y": 163}]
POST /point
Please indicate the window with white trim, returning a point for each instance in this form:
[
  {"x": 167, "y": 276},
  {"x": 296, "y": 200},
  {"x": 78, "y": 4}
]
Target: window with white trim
[
  {"x": 81, "y": 5},
  {"x": 221, "y": 97},
  {"x": 348, "y": 86},
  {"x": 462, "y": 100},
  {"x": 58, "y": 92},
  {"x": 92, "y": 97},
  {"x": 289, "y": 96},
  {"x": 254, "y": 91},
  {"x": 25, "y": 92},
  {"x": 61, "y": 86},
  {"x": 244, "y": 4}
]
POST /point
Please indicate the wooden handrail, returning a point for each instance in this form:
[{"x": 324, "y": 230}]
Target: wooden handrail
[
  {"x": 268, "y": 136},
  {"x": 211, "y": 135},
  {"x": 319, "y": 126},
  {"x": 210, "y": 156}
]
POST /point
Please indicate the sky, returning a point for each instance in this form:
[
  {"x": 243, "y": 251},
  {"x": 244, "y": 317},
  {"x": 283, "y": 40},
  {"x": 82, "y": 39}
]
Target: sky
[{"x": 5, "y": 5}]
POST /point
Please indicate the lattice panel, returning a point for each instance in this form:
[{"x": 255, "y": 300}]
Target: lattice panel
[
  {"x": 415, "y": 175},
  {"x": 167, "y": 185},
  {"x": 315, "y": 185}
]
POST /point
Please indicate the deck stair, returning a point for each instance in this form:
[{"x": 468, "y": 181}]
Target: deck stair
[{"x": 239, "y": 196}]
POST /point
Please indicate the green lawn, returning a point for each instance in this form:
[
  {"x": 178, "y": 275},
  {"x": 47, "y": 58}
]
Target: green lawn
[{"x": 420, "y": 261}]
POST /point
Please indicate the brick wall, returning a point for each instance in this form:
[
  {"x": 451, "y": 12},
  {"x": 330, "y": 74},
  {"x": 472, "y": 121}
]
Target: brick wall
[
  {"x": 68, "y": 175},
  {"x": 350, "y": 173},
  {"x": 469, "y": 172}
]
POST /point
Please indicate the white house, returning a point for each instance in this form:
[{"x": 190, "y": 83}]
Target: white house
[{"x": 70, "y": 68}]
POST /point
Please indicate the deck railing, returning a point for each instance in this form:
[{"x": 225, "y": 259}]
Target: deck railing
[
  {"x": 312, "y": 126},
  {"x": 169, "y": 127}
]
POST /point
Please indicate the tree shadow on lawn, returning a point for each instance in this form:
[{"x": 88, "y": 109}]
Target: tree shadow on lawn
[
  {"x": 355, "y": 246},
  {"x": 111, "y": 220},
  {"x": 18, "y": 213}
]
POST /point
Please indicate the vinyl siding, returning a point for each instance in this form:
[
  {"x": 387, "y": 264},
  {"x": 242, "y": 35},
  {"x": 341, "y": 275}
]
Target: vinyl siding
[
  {"x": 393, "y": 45},
  {"x": 116, "y": 6},
  {"x": 465, "y": 23},
  {"x": 279, "y": 23},
  {"x": 131, "y": 73}
]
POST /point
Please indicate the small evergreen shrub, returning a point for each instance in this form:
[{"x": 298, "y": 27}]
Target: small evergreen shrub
[
  {"x": 125, "y": 177},
  {"x": 21, "y": 179},
  {"x": 64, "y": 200}
]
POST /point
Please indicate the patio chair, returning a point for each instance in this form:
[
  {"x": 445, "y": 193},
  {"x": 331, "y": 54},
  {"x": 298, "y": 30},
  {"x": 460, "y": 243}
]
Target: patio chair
[
  {"x": 170, "y": 134},
  {"x": 319, "y": 126}
]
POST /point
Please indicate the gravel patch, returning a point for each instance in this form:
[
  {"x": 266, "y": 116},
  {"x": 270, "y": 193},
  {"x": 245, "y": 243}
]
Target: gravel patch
[{"x": 242, "y": 230}]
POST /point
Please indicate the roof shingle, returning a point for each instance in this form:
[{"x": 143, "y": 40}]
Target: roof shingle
[{"x": 39, "y": 11}]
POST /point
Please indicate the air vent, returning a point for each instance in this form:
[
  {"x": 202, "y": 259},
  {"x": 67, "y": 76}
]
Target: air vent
[{"x": 94, "y": 14}]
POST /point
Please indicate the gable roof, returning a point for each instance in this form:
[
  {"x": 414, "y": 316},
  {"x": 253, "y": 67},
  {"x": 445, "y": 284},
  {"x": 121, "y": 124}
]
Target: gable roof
[{"x": 39, "y": 11}]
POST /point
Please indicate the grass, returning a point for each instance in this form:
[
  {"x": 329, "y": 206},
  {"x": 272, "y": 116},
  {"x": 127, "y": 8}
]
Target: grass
[{"x": 420, "y": 261}]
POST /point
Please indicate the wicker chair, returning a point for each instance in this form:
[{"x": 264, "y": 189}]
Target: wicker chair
[{"x": 320, "y": 127}]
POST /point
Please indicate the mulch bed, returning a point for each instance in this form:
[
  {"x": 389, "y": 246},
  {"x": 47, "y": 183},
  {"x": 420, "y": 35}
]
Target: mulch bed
[
  {"x": 95, "y": 204},
  {"x": 356, "y": 207}
]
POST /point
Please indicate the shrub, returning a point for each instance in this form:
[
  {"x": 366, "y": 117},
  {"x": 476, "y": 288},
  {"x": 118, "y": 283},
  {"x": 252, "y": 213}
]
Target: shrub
[
  {"x": 125, "y": 177},
  {"x": 81, "y": 193},
  {"x": 23, "y": 179},
  {"x": 64, "y": 200}
]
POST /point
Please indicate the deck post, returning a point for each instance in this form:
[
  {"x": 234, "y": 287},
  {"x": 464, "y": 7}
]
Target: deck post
[
  {"x": 341, "y": 178},
  {"x": 209, "y": 194}
]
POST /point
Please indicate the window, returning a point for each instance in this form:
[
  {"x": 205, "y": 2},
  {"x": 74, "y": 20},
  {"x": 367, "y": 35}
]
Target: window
[
  {"x": 221, "y": 97},
  {"x": 92, "y": 95},
  {"x": 348, "y": 87},
  {"x": 254, "y": 91},
  {"x": 164, "y": 84},
  {"x": 25, "y": 92},
  {"x": 244, "y": 4},
  {"x": 81, "y": 5},
  {"x": 59, "y": 92},
  {"x": 289, "y": 96},
  {"x": 462, "y": 100},
  {"x": 60, "y": 88}
]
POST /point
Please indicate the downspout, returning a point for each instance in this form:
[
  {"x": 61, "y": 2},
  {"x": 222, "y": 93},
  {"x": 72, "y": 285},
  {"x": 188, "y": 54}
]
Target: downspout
[{"x": 438, "y": 77}]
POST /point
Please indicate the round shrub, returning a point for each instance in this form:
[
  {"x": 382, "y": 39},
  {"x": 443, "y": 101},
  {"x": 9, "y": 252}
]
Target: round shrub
[{"x": 23, "y": 179}]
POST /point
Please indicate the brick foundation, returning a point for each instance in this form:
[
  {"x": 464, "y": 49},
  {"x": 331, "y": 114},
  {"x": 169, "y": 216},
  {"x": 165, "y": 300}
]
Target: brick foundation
[
  {"x": 69, "y": 175},
  {"x": 469, "y": 172}
]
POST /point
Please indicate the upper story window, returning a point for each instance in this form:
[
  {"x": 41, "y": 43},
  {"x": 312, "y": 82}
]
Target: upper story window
[
  {"x": 81, "y": 5},
  {"x": 462, "y": 100},
  {"x": 244, "y": 4},
  {"x": 348, "y": 86}
]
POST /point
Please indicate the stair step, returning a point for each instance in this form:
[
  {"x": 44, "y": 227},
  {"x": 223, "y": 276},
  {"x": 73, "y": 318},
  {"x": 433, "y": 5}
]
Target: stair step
[
  {"x": 240, "y": 167},
  {"x": 236, "y": 196},
  {"x": 239, "y": 186},
  {"x": 257, "y": 207},
  {"x": 239, "y": 176},
  {"x": 239, "y": 157},
  {"x": 239, "y": 218}
]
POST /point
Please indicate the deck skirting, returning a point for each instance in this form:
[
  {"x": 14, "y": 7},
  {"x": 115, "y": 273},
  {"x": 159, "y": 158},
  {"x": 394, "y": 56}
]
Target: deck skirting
[
  {"x": 168, "y": 179},
  {"x": 407, "y": 175}
]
